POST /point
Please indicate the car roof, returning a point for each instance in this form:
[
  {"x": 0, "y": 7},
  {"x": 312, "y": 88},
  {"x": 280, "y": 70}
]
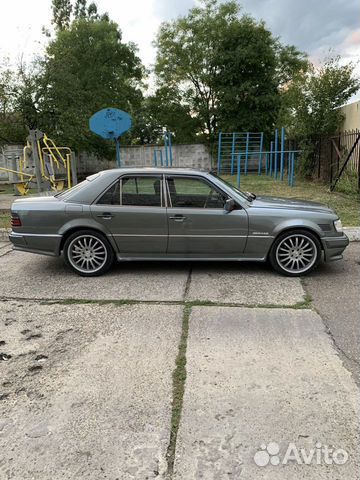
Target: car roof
[{"x": 163, "y": 170}]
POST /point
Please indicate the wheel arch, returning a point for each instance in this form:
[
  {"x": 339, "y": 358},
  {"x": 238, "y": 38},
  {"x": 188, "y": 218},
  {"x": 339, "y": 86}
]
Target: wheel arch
[
  {"x": 315, "y": 230},
  {"x": 72, "y": 228}
]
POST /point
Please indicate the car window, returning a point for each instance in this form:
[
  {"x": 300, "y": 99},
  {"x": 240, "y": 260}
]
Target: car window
[
  {"x": 141, "y": 191},
  {"x": 194, "y": 193},
  {"x": 111, "y": 196},
  {"x": 134, "y": 191}
]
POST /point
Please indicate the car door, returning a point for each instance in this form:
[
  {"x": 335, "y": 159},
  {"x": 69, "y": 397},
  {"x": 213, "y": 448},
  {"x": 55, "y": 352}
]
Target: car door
[
  {"x": 198, "y": 223},
  {"x": 133, "y": 211}
]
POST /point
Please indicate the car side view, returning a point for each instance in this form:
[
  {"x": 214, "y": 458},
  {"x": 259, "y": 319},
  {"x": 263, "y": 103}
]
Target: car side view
[{"x": 174, "y": 214}]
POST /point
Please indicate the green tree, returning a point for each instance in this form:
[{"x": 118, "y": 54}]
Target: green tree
[
  {"x": 310, "y": 104},
  {"x": 12, "y": 91},
  {"x": 61, "y": 11},
  {"x": 226, "y": 68},
  {"x": 87, "y": 67}
]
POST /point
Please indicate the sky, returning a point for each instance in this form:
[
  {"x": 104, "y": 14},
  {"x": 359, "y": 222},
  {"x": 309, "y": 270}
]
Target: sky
[{"x": 315, "y": 26}]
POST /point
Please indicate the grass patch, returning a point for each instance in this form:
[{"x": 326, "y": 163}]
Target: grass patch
[
  {"x": 5, "y": 219},
  {"x": 345, "y": 203},
  {"x": 6, "y": 189},
  {"x": 179, "y": 378}
]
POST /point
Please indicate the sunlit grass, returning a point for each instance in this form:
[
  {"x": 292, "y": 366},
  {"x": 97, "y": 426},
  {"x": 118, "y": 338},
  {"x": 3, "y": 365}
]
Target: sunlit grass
[{"x": 346, "y": 205}]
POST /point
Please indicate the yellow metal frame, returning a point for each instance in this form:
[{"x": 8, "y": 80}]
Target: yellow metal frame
[{"x": 58, "y": 156}]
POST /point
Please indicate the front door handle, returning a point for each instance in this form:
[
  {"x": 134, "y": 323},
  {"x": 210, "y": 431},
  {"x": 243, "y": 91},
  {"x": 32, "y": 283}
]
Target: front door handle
[
  {"x": 106, "y": 215},
  {"x": 178, "y": 218}
]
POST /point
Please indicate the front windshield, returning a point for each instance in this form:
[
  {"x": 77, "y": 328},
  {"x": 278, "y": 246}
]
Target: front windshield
[{"x": 239, "y": 192}]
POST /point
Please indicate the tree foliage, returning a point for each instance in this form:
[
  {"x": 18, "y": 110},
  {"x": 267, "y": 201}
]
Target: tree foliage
[
  {"x": 226, "y": 67},
  {"x": 311, "y": 104},
  {"x": 87, "y": 67},
  {"x": 312, "y": 101}
]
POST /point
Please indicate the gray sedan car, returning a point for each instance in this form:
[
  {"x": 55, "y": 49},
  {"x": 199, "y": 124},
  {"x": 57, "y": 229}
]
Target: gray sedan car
[{"x": 174, "y": 214}]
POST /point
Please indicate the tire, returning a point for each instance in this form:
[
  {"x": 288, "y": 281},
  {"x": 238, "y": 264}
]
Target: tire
[
  {"x": 88, "y": 253},
  {"x": 295, "y": 253}
]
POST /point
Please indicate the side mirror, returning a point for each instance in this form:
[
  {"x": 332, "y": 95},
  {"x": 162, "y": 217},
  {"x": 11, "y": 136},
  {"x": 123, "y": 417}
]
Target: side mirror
[{"x": 229, "y": 205}]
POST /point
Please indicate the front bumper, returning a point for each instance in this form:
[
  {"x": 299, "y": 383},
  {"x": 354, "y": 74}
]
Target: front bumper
[
  {"x": 36, "y": 243},
  {"x": 334, "y": 247}
]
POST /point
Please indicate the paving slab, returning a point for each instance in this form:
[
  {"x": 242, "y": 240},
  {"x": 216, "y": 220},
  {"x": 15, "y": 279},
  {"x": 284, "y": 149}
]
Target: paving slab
[
  {"x": 334, "y": 288},
  {"x": 259, "y": 380},
  {"x": 246, "y": 284},
  {"x": 87, "y": 391},
  {"x": 39, "y": 277}
]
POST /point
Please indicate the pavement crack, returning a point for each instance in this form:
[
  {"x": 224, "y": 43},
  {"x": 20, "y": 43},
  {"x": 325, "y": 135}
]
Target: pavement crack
[
  {"x": 187, "y": 284},
  {"x": 337, "y": 347},
  {"x": 179, "y": 378}
]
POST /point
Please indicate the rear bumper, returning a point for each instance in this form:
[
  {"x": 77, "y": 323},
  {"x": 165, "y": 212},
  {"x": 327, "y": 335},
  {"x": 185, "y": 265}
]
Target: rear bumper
[
  {"x": 36, "y": 243},
  {"x": 334, "y": 247}
]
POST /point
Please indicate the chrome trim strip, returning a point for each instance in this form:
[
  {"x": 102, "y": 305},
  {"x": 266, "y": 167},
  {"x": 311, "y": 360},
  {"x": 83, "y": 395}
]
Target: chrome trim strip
[
  {"x": 261, "y": 236},
  {"x": 133, "y": 235},
  {"x": 181, "y": 236},
  {"x": 18, "y": 234},
  {"x": 170, "y": 257}
]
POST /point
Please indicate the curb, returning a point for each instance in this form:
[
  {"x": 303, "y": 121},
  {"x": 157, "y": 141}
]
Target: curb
[{"x": 352, "y": 232}]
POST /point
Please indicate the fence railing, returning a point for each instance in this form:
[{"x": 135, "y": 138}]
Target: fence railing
[{"x": 332, "y": 152}]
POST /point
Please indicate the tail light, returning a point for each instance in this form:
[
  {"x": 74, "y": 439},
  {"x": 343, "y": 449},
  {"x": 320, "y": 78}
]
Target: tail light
[{"x": 15, "y": 220}]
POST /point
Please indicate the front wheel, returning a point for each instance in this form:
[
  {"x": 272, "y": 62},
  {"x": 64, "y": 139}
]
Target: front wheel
[
  {"x": 295, "y": 253},
  {"x": 88, "y": 253}
]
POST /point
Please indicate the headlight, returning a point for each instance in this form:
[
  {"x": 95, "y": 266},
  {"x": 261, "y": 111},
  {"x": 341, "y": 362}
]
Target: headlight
[{"x": 338, "y": 225}]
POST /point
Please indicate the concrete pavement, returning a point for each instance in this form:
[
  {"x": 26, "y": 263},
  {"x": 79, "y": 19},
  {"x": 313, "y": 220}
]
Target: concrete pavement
[
  {"x": 260, "y": 376},
  {"x": 149, "y": 281},
  {"x": 87, "y": 391},
  {"x": 92, "y": 390},
  {"x": 335, "y": 290}
]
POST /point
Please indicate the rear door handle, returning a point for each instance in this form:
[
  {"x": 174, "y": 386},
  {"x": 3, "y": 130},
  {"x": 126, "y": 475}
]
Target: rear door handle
[
  {"x": 178, "y": 218},
  {"x": 105, "y": 215}
]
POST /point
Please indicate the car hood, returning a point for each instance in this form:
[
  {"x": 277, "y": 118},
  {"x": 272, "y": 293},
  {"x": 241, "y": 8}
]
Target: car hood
[{"x": 289, "y": 203}]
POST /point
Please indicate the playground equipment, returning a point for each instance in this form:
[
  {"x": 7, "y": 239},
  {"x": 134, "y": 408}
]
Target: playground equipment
[
  {"x": 244, "y": 153},
  {"x": 42, "y": 164},
  {"x": 167, "y": 152},
  {"x": 111, "y": 123}
]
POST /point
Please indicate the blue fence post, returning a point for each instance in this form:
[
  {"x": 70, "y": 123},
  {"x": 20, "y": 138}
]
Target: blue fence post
[
  {"x": 292, "y": 168},
  {"x": 271, "y": 158},
  {"x": 233, "y": 153},
  {"x": 246, "y": 153},
  {"x": 118, "y": 157},
  {"x": 219, "y": 155},
  {"x": 170, "y": 149},
  {"x": 282, "y": 153},
  {"x": 260, "y": 155},
  {"x": 155, "y": 158},
  {"x": 289, "y": 167},
  {"x": 161, "y": 158},
  {"x": 238, "y": 169},
  {"x": 266, "y": 163},
  {"x": 166, "y": 149},
  {"x": 275, "y": 154}
]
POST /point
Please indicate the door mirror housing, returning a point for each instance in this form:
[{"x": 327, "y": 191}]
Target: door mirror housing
[{"x": 229, "y": 205}]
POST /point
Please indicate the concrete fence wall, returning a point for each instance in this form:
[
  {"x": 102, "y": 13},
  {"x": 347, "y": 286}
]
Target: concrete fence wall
[
  {"x": 193, "y": 156},
  {"x": 9, "y": 158}
]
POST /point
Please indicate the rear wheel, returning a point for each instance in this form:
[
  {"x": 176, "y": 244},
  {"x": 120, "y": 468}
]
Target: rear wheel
[
  {"x": 295, "y": 253},
  {"x": 88, "y": 253}
]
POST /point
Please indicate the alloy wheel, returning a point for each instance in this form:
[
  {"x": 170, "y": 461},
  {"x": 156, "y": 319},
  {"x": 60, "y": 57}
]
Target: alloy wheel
[
  {"x": 87, "y": 253},
  {"x": 296, "y": 253}
]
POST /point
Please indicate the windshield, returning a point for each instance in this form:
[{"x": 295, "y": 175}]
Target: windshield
[{"x": 239, "y": 192}]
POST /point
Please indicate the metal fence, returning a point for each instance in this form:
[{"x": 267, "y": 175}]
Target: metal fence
[{"x": 336, "y": 155}]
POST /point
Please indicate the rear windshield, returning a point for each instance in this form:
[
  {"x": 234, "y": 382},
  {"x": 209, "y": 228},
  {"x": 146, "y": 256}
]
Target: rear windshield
[{"x": 76, "y": 188}]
